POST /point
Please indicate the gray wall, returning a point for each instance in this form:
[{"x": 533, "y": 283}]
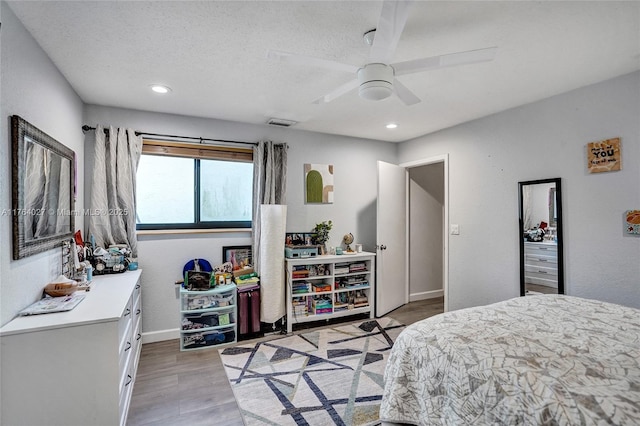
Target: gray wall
[
  {"x": 163, "y": 257},
  {"x": 546, "y": 139},
  {"x": 33, "y": 88}
]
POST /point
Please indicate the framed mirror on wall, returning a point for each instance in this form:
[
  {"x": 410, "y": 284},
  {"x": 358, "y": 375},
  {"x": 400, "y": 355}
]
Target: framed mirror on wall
[
  {"x": 43, "y": 190},
  {"x": 541, "y": 240}
]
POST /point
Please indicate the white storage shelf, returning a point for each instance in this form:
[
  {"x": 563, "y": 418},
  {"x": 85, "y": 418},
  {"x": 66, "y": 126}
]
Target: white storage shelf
[
  {"x": 331, "y": 287},
  {"x": 76, "y": 367},
  {"x": 209, "y": 318}
]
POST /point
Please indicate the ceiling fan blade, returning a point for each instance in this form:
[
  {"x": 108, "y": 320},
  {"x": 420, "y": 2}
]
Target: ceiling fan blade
[
  {"x": 403, "y": 92},
  {"x": 341, "y": 90},
  {"x": 390, "y": 25},
  {"x": 278, "y": 55},
  {"x": 442, "y": 61}
]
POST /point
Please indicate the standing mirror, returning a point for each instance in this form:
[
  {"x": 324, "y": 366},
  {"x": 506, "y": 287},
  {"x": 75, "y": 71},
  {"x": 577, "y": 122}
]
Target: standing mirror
[{"x": 541, "y": 247}]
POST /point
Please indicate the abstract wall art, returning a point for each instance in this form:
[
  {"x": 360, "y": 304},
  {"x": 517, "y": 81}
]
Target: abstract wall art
[{"x": 318, "y": 183}]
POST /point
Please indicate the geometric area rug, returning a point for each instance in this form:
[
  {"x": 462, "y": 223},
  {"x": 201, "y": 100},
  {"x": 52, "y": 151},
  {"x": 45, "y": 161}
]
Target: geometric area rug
[{"x": 331, "y": 376}]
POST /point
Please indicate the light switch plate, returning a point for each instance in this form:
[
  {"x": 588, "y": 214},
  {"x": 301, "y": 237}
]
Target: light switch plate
[{"x": 455, "y": 229}]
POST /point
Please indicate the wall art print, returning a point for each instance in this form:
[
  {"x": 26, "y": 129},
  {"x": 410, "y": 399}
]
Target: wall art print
[
  {"x": 604, "y": 156},
  {"x": 318, "y": 183},
  {"x": 632, "y": 222}
]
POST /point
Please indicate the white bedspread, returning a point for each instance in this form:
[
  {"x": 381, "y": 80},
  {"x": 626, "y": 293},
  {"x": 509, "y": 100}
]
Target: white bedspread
[{"x": 526, "y": 361}]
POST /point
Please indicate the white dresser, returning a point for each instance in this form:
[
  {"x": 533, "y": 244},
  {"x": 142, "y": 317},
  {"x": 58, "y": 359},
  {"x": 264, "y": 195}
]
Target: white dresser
[
  {"x": 76, "y": 367},
  {"x": 541, "y": 263}
]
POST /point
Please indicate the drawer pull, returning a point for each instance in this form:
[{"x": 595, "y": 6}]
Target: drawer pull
[
  {"x": 542, "y": 272},
  {"x": 129, "y": 378},
  {"x": 137, "y": 286},
  {"x": 543, "y": 248},
  {"x": 127, "y": 312},
  {"x": 138, "y": 311},
  {"x": 542, "y": 260},
  {"x": 138, "y": 336},
  {"x": 128, "y": 346}
]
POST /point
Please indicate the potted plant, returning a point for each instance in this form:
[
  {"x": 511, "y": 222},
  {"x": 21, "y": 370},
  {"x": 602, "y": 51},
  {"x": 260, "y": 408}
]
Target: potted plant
[{"x": 322, "y": 234}]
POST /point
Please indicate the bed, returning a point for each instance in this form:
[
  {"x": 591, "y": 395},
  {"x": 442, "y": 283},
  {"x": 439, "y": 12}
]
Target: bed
[{"x": 548, "y": 359}]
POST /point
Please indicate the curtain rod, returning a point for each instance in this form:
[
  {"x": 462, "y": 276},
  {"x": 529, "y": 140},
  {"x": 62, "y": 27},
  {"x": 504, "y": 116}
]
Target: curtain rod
[{"x": 86, "y": 128}]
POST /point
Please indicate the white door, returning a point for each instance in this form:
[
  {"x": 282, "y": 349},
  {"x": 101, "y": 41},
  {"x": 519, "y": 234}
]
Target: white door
[{"x": 391, "y": 239}]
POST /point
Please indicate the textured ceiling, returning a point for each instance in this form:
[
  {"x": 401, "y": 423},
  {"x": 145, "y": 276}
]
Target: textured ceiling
[{"x": 213, "y": 55}]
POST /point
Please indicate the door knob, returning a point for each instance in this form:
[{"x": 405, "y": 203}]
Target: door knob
[{"x": 381, "y": 247}]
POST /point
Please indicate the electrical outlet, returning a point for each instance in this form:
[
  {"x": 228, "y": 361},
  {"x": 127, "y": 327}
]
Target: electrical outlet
[{"x": 455, "y": 229}]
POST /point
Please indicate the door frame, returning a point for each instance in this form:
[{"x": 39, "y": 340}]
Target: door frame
[{"x": 443, "y": 158}]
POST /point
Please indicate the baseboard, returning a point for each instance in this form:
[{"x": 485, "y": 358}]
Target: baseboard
[
  {"x": 159, "y": 336},
  {"x": 426, "y": 295}
]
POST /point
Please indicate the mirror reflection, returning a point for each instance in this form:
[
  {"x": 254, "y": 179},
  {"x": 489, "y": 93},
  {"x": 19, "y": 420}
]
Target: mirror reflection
[
  {"x": 541, "y": 261},
  {"x": 46, "y": 191}
]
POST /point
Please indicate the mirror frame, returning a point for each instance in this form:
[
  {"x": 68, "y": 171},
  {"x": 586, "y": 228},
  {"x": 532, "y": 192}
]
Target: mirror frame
[
  {"x": 560, "y": 243},
  {"x": 20, "y": 129}
]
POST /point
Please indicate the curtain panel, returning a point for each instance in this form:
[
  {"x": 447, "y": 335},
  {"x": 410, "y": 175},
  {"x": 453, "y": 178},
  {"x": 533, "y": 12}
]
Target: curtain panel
[
  {"x": 113, "y": 187},
  {"x": 269, "y": 226},
  {"x": 269, "y": 184}
]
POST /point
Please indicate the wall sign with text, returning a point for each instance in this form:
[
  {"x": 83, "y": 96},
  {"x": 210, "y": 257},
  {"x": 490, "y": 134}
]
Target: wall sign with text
[{"x": 604, "y": 156}]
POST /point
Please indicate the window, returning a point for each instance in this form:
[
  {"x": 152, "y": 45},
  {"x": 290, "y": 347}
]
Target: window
[{"x": 187, "y": 186}]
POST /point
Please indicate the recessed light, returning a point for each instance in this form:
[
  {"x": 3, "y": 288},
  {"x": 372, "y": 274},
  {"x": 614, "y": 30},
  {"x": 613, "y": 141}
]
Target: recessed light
[
  {"x": 391, "y": 126},
  {"x": 160, "y": 89}
]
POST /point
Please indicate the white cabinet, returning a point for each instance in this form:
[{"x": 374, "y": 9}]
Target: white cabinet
[
  {"x": 541, "y": 263},
  {"x": 208, "y": 318},
  {"x": 76, "y": 367},
  {"x": 329, "y": 286}
]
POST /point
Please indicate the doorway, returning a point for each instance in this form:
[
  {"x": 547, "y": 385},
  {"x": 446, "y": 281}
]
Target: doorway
[
  {"x": 427, "y": 225},
  {"x": 393, "y": 233}
]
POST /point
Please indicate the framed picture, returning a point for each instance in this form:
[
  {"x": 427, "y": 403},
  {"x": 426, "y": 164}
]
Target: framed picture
[
  {"x": 239, "y": 256},
  {"x": 300, "y": 239}
]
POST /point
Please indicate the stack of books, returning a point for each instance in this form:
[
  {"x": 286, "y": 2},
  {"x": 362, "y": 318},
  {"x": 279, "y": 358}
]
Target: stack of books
[
  {"x": 299, "y": 287},
  {"x": 300, "y": 272},
  {"x": 321, "y": 287},
  {"x": 248, "y": 280},
  {"x": 300, "y": 306},
  {"x": 342, "y": 268},
  {"x": 357, "y": 267},
  {"x": 321, "y": 306}
]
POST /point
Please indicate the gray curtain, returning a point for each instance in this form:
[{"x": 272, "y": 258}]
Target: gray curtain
[
  {"x": 269, "y": 184},
  {"x": 113, "y": 188}
]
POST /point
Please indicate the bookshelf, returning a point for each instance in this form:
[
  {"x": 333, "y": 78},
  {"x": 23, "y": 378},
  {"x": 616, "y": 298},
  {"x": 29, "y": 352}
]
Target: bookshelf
[{"x": 330, "y": 286}]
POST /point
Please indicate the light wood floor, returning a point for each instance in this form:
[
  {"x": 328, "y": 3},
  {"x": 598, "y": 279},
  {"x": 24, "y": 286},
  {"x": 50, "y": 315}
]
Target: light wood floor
[{"x": 191, "y": 388}]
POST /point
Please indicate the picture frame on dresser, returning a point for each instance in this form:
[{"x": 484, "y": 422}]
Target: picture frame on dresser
[{"x": 239, "y": 256}]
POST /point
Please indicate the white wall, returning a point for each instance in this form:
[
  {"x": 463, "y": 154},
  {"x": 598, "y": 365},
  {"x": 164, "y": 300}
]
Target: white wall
[
  {"x": 33, "y": 88},
  {"x": 163, "y": 257},
  {"x": 540, "y": 203},
  {"x": 426, "y": 221},
  {"x": 546, "y": 139}
]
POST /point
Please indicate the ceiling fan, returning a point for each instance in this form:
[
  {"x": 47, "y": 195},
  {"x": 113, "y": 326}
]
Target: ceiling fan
[{"x": 377, "y": 79}]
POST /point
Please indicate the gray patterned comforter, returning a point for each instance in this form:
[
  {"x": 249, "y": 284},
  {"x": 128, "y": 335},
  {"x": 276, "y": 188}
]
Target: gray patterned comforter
[{"x": 533, "y": 360}]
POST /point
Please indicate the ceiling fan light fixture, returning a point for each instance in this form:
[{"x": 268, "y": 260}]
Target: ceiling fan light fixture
[
  {"x": 375, "y": 90},
  {"x": 375, "y": 81}
]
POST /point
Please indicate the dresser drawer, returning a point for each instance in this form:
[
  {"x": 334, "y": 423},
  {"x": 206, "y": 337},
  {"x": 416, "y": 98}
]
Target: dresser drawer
[
  {"x": 540, "y": 248},
  {"x": 541, "y": 271}
]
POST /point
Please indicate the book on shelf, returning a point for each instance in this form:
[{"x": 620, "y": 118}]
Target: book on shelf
[
  {"x": 357, "y": 267},
  {"x": 321, "y": 287},
  {"x": 301, "y": 287}
]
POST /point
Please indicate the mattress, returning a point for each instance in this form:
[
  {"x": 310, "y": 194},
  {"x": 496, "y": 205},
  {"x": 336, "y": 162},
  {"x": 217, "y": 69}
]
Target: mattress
[{"x": 548, "y": 359}]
